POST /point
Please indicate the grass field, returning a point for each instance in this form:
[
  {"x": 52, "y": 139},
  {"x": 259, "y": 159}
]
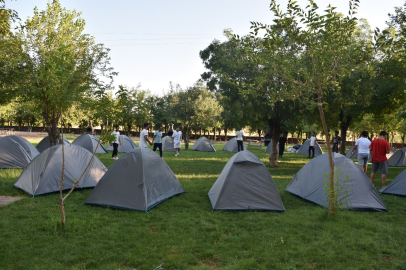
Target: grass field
[{"x": 184, "y": 233}]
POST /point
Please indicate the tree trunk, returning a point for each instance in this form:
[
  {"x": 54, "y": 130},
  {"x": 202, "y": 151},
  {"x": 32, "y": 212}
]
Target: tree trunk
[
  {"x": 225, "y": 134},
  {"x": 214, "y": 138},
  {"x": 52, "y": 128},
  {"x": 275, "y": 130},
  {"x": 186, "y": 138},
  {"x": 343, "y": 131},
  {"x": 273, "y": 158},
  {"x": 62, "y": 177},
  {"x": 393, "y": 136},
  {"x": 332, "y": 204}
]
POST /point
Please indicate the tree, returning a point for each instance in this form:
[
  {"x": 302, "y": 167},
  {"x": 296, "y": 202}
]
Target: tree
[
  {"x": 244, "y": 88},
  {"x": 160, "y": 110},
  {"x": 7, "y": 17},
  {"x": 308, "y": 52},
  {"x": 61, "y": 64},
  {"x": 134, "y": 107},
  {"x": 207, "y": 109}
]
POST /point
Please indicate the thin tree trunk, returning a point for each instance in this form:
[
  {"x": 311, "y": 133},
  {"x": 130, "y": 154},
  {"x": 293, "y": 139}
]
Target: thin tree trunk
[
  {"x": 62, "y": 176},
  {"x": 186, "y": 138},
  {"x": 225, "y": 134},
  {"x": 332, "y": 204}
]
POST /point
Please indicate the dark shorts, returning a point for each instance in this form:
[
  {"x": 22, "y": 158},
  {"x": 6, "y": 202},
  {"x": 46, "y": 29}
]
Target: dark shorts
[{"x": 382, "y": 166}]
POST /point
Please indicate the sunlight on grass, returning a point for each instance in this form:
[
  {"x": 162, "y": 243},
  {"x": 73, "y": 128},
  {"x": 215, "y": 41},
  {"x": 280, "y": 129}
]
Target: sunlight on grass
[
  {"x": 202, "y": 159},
  {"x": 191, "y": 176}
]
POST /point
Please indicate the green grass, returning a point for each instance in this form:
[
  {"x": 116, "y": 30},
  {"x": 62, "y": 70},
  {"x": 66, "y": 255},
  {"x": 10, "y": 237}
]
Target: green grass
[{"x": 184, "y": 233}]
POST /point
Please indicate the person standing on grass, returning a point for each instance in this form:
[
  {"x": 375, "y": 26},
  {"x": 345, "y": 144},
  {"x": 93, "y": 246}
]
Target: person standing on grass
[
  {"x": 282, "y": 142},
  {"x": 336, "y": 142},
  {"x": 312, "y": 145},
  {"x": 363, "y": 150},
  {"x": 116, "y": 142},
  {"x": 176, "y": 139},
  {"x": 144, "y": 137},
  {"x": 379, "y": 148},
  {"x": 239, "y": 136},
  {"x": 158, "y": 140}
]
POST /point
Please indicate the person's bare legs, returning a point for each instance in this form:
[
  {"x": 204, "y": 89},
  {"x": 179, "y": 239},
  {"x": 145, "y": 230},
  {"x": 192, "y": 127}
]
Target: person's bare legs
[
  {"x": 363, "y": 168},
  {"x": 373, "y": 176},
  {"x": 383, "y": 180},
  {"x": 176, "y": 151}
]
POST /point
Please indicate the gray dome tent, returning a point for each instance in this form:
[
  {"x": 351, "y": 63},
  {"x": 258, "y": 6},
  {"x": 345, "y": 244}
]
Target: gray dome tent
[
  {"x": 43, "y": 174},
  {"x": 397, "y": 186},
  {"x": 304, "y": 149},
  {"x": 398, "y": 159},
  {"x": 355, "y": 154},
  {"x": 127, "y": 145},
  {"x": 89, "y": 142},
  {"x": 245, "y": 184},
  {"x": 28, "y": 147},
  {"x": 167, "y": 145},
  {"x": 16, "y": 152},
  {"x": 309, "y": 184},
  {"x": 45, "y": 143},
  {"x": 269, "y": 147},
  {"x": 232, "y": 146},
  {"x": 138, "y": 180},
  {"x": 204, "y": 144}
]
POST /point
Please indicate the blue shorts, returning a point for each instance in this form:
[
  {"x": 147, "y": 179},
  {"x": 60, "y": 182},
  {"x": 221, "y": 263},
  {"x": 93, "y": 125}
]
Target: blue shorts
[{"x": 363, "y": 159}]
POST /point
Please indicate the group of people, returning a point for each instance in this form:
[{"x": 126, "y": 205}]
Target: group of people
[
  {"x": 144, "y": 140},
  {"x": 378, "y": 148}
]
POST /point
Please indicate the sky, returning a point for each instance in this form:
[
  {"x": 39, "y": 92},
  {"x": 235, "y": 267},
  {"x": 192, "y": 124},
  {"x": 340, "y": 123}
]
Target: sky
[{"x": 157, "y": 41}]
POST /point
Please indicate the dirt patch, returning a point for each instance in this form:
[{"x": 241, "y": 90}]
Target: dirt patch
[
  {"x": 212, "y": 263},
  {"x": 152, "y": 229},
  {"x": 386, "y": 259},
  {"x": 4, "y": 200}
]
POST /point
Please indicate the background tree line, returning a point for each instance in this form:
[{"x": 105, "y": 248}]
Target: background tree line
[{"x": 49, "y": 66}]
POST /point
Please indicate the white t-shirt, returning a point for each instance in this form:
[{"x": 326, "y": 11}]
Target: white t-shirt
[
  {"x": 363, "y": 145},
  {"x": 312, "y": 141},
  {"x": 117, "y": 133},
  {"x": 177, "y": 135},
  {"x": 239, "y": 135},
  {"x": 143, "y": 142}
]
